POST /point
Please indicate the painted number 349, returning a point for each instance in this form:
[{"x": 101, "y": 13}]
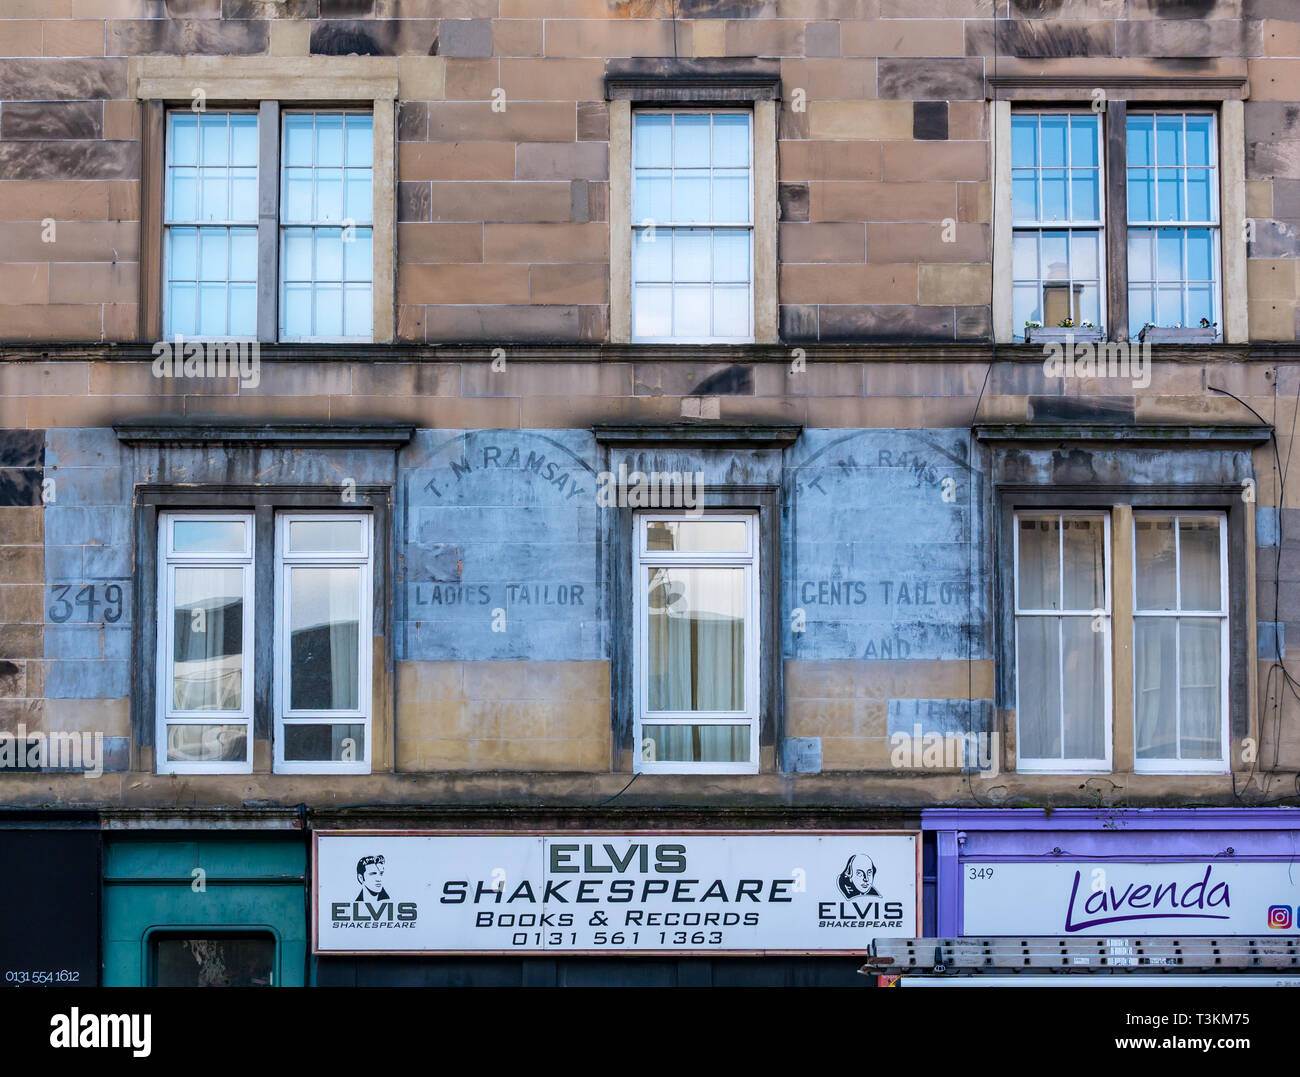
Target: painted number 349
[{"x": 63, "y": 607}]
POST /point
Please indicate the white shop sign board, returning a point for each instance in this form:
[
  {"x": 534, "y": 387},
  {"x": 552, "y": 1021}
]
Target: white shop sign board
[
  {"x": 1203, "y": 897},
  {"x": 750, "y": 892}
]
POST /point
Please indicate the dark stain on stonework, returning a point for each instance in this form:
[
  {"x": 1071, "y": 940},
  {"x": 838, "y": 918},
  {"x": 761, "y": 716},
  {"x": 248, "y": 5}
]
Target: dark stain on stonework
[
  {"x": 1073, "y": 465},
  {"x": 733, "y": 381},
  {"x": 1069, "y": 409},
  {"x": 20, "y": 487},
  {"x": 1183, "y": 9},
  {"x": 344, "y": 40},
  {"x": 1037, "y": 8},
  {"x": 22, "y": 448},
  {"x": 725, "y": 9},
  {"x": 1033, "y": 39}
]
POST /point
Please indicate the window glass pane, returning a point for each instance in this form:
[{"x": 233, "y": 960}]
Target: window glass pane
[
  {"x": 695, "y": 642},
  {"x": 1154, "y": 540},
  {"x": 218, "y": 960},
  {"x": 182, "y": 254},
  {"x": 691, "y": 311},
  {"x": 1083, "y": 141},
  {"x": 1025, "y": 307},
  {"x": 1141, "y": 194},
  {"x": 1024, "y": 140},
  {"x": 731, "y": 308},
  {"x": 297, "y": 139},
  {"x": 329, "y": 140},
  {"x": 1083, "y": 688},
  {"x": 243, "y": 140},
  {"x": 731, "y": 197},
  {"x": 731, "y": 254},
  {"x": 691, "y": 195},
  {"x": 214, "y": 138},
  {"x": 692, "y": 257},
  {"x": 1140, "y": 264},
  {"x": 695, "y": 743},
  {"x": 1169, "y": 306},
  {"x": 209, "y": 536},
  {"x": 1052, "y": 129},
  {"x": 243, "y": 310},
  {"x": 652, "y": 198},
  {"x": 183, "y": 194},
  {"x": 1055, "y": 255},
  {"x": 213, "y": 314},
  {"x": 1170, "y": 204},
  {"x": 297, "y": 253},
  {"x": 1038, "y": 686},
  {"x": 713, "y": 536},
  {"x": 208, "y": 639},
  {"x": 214, "y": 194},
  {"x": 329, "y": 311},
  {"x": 357, "y": 196},
  {"x": 731, "y": 140},
  {"x": 296, "y": 197},
  {"x": 1085, "y": 195},
  {"x": 358, "y": 256},
  {"x": 652, "y": 311},
  {"x": 213, "y": 254},
  {"x": 1169, "y": 139},
  {"x": 182, "y": 316},
  {"x": 1084, "y": 262},
  {"x": 324, "y": 614},
  {"x": 691, "y": 140},
  {"x": 360, "y": 141},
  {"x": 183, "y": 145},
  {"x": 1200, "y": 253},
  {"x": 1169, "y": 254},
  {"x": 324, "y": 742},
  {"x": 1024, "y": 255},
  {"x": 1155, "y": 671},
  {"x": 325, "y": 536},
  {"x": 329, "y": 254},
  {"x": 1141, "y": 309},
  {"x": 1199, "y": 556},
  {"x": 1198, "y": 140},
  {"x": 1024, "y": 196},
  {"x": 358, "y": 310},
  {"x": 192, "y": 743},
  {"x": 243, "y": 254},
  {"x": 1201, "y": 692},
  {"x": 1199, "y": 203},
  {"x": 329, "y": 194},
  {"x": 1200, "y": 304},
  {"x": 1140, "y": 140},
  {"x": 1054, "y": 204},
  {"x": 1038, "y": 571},
  {"x": 652, "y": 251},
  {"x": 296, "y": 313},
  {"x": 652, "y": 144},
  {"x": 1084, "y": 567}
]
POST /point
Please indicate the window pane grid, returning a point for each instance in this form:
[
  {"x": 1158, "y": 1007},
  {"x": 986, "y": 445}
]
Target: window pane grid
[
  {"x": 326, "y": 238},
  {"x": 692, "y": 227},
  {"x": 1173, "y": 214},
  {"x": 697, "y": 646},
  {"x": 1063, "y": 629},
  {"x": 205, "y": 643},
  {"x": 1057, "y": 219},
  {"x": 1180, "y": 641},
  {"x": 210, "y": 224}
]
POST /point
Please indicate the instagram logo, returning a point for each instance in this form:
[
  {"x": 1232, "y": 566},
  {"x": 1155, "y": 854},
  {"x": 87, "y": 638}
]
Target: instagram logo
[{"x": 1279, "y": 917}]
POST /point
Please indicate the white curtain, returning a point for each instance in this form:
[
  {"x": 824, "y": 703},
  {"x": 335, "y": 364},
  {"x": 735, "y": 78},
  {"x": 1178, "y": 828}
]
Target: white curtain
[{"x": 697, "y": 659}]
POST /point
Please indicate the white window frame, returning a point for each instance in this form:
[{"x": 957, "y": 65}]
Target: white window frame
[
  {"x": 1027, "y": 765},
  {"x": 643, "y": 559},
  {"x": 1187, "y": 766},
  {"x": 363, "y": 715},
  {"x": 166, "y": 715},
  {"x": 1213, "y": 226},
  {"x": 313, "y": 226},
  {"x": 1070, "y": 226},
  {"x": 229, "y": 224},
  {"x": 710, "y": 226}
]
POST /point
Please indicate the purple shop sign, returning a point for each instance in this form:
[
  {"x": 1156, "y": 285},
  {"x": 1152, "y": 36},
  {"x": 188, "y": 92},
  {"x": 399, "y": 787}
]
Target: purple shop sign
[
  {"x": 1149, "y": 871},
  {"x": 1091, "y": 898}
]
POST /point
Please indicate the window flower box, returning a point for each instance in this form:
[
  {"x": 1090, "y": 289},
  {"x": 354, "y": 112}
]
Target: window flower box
[
  {"x": 1056, "y": 334},
  {"x": 1179, "y": 334}
]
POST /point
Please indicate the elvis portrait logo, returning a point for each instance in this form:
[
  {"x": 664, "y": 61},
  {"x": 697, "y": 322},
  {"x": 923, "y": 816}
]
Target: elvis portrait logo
[
  {"x": 372, "y": 907},
  {"x": 862, "y": 904}
]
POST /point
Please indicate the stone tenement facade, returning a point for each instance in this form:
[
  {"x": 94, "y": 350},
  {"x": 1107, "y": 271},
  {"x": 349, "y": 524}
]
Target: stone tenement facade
[{"x": 337, "y": 335}]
